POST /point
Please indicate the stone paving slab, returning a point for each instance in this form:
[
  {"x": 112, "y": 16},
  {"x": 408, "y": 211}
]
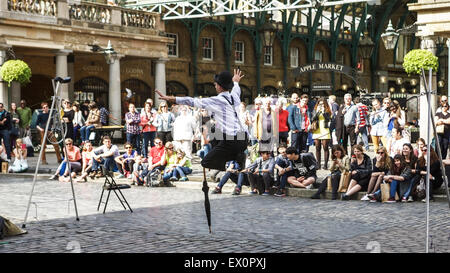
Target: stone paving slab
[{"x": 172, "y": 220}]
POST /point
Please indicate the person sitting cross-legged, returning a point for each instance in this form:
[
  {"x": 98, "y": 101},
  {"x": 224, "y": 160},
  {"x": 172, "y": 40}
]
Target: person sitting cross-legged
[
  {"x": 282, "y": 165},
  {"x": 304, "y": 166},
  {"x": 170, "y": 160},
  {"x": 260, "y": 173},
  {"x": 87, "y": 155},
  {"x": 74, "y": 156},
  {"x": 104, "y": 155},
  {"x": 125, "y": 161}
]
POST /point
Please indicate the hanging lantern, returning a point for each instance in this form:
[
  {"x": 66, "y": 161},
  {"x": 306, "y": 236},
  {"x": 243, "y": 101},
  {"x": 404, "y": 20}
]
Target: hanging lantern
[{"x": 390, "y": 37}]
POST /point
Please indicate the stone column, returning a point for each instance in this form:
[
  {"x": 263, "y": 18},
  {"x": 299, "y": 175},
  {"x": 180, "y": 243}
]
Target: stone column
[
  {"x": 16, "y": 93},
  {"x": 71, "y": 74},
  {"x": 115, "y": 102},
  {"x": 62, "y": 71},
  {"x": 160, "y": 78},
  {"x": 427, "y": 43},
  {"x": 3, "y": 85}
]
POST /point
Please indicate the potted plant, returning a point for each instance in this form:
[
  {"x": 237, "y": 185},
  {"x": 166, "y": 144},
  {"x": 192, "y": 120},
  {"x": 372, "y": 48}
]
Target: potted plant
[
  {"x": 419, "y": 59},
  {"x": 15, "y": 70}
]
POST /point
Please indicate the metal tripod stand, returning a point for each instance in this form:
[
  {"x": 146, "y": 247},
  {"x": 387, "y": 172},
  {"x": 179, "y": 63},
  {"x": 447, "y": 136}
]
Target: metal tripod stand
[
  {"x": 56, "y": 82},
  {"x": 438, "y": 151}
]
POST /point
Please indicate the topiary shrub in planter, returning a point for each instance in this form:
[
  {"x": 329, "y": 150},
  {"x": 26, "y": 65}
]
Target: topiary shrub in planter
[
  {"x": 417, "y": 59},
  {"x": 15, "y": 70}
]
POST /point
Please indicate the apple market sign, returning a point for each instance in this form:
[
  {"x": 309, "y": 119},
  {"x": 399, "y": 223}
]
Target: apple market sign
[{"x": 333, "y": 67}]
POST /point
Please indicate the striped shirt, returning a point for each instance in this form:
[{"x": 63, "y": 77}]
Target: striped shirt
[
  {"x": 363, "y": 114},
  {"x": 220, "y": 106}
]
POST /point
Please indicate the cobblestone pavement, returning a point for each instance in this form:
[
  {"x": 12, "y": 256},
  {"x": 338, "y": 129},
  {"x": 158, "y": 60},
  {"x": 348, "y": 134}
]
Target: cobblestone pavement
[{"x": 172, "y": 220}]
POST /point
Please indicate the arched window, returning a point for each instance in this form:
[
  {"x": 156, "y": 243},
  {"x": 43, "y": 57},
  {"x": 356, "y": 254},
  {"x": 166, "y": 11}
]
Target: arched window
[
  {"x": 91, "y": 88},
  {"x": 270, "y": 90},
  {"x": 141, "y": 92},
  {"x": 246, "y": 94},
  {"x": 174, "y": 88}
]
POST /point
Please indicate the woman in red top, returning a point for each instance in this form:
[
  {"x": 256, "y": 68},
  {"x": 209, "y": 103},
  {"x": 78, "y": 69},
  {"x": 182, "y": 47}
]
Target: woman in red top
[
  {"x": 74, "y": 156},
  {"x": 148, "y": 115},
  {"x": 283, "y": 127}
]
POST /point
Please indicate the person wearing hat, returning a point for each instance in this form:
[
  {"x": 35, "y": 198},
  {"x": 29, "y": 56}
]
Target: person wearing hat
[{"x": 229, "y": 132}]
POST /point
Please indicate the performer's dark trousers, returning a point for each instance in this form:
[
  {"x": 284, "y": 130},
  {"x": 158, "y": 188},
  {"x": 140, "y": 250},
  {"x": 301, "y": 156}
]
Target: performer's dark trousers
[
  {"x": 226, "y": 150},
  {"x": 349, "y": 132}
]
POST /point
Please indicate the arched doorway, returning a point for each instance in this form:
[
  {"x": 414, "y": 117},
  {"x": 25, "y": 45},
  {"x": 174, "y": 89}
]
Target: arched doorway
[
  {"x": 246, "y": 94},
  {"x": 141, "y": 92},
  {"x": 174, "y": 88},
  {"x": 205, "y": 90},
  {"x": 269, "y": 90},
  {"x": 92, "y": 88},
  {"x": 38, "y": 90}
]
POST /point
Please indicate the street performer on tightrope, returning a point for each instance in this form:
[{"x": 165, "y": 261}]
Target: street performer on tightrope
[{"x": 229, "y": 132}]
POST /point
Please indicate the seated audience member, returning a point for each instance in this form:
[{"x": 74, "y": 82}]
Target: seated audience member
[
  {"x": 3, "y": 156},
  {"x": 183, "y": 167},
  {"x": 420, "y": 144},
  {"x": 260, "y": 174},
  {"x": 340, "y": 164},
  {"x": 436, "y": 179},
  {"x": 304, "y": 169},
  {"x": 282, "y": 165},
  {"x": 125, "y": 161},
  {"x": 156, "y": 157},
  {"x": 74, "y": 157},
  {"x": 411, "y": 161},
  {"x": 104, "y": 155},
  {"x": 86, "y": 159},
  {"x": 169, "y": 161},
  {"x": 140, "y": 171},
  {"x": 232, "y": 172},
  {"x": 20, "y": 154},
  {"x": 397, "y": 141},
  {"x": 381, "y": 165},
  {"x": 399, "y": 173},
  {"x": 360, "y": 170}
]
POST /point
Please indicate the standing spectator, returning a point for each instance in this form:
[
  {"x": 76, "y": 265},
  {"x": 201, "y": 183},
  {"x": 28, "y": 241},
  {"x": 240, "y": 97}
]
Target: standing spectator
[
  {"x": 133, "y": 119},
  {"x": 125, "y": 161},
  {"x": 148, "y": 116},
  {"x": 334, "y": 107},
  {"x": 396, "y": 142},
  {"x": 206, "y": 125},
  {"x": 386, "y": 103},
  {"x": 71, "y": 154},
  {"x": 299, "y": 120},
  {"x": 362, "y": 125},
  {"x": 84, "y": 108},
  {"x": 183, "y": 130},
  {"x": 25, "y": 115},
  {"x": 341, "y": 164},
  {"x": 5, "y": 127},
  {"x": 244, "y": 116},
  {"x": 382, "y": 163},
  {"x": 78, "y": 121},
  {"x": 260, "y": 174},
  {"x": 395, "y": 119},
  {"x": 68, "y": 116},
  {"x": 20, "y": 154},
  {"x": 15, "y": 121},
  {"x": 266, "y": 127},
  {"x": 443, "y": 122},
  {"x": 376, "y": 119},
  {"x": 351, "y": 117},
  {"x": 93, "y": 121},
  {"x": 304, "y": 170},
  {"x": 41, "y": 122},
  {"x": 361, "y": 170},
  {"x": 442, "y": 101},
  {"x": 322, "y": 117},
  {"x": 86, "y": 160},
  {"x": 104, "y": 155},
  {"x": 283, "y": 125},
  {"x": 164, "y": 122},
  {"x": 104, "y": 113},
  {"x": 252, "y": 129}
]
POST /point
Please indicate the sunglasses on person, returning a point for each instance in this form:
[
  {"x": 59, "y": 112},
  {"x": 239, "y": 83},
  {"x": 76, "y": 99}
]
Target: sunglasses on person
[
  {"x": 170, "y": 148},
  {"x": 380, "y": 153},
  {"x": 158, "y": 143},
  {"x": 70, "y": 143},
  {"x": 128, "y": 147}
]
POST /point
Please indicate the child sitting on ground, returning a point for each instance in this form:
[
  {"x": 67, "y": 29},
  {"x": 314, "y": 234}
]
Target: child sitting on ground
[{"x": 181, "y": 168}]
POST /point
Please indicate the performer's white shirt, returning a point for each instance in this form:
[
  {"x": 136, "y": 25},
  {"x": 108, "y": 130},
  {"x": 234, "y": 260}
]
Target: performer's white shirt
[{"x": 220, "y": 108}]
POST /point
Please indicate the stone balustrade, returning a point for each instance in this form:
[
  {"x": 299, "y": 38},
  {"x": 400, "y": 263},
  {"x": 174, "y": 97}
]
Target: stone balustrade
[
  {"x": 36, "y": 7},
  {"x": 50, "y": 11}
]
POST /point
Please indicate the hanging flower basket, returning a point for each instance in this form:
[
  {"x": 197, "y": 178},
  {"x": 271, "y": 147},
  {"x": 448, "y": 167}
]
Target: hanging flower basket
[
  {"x": 15, "y": 70},
  {"x": 417, "y": 59}
]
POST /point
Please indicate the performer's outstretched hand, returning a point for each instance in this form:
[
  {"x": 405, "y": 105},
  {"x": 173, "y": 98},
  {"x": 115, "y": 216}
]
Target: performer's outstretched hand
[
  {"x": 237, "y": 75},
  {"x": 164, "y": 97}
]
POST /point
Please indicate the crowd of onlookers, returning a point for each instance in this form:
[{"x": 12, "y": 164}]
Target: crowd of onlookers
[{"x": 161, "y": 143}]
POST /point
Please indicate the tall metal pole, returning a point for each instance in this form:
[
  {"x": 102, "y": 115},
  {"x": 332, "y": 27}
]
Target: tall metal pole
[
  {"x": 448, "y": 68},
  {"x": 428, "y": 92}
]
